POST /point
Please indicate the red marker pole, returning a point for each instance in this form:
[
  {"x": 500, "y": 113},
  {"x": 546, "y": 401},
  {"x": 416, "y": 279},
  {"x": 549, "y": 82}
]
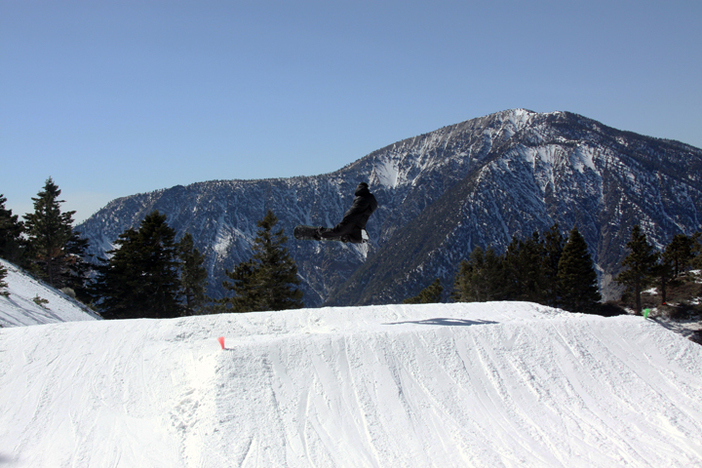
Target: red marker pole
[{"x": 221, "y": 341}]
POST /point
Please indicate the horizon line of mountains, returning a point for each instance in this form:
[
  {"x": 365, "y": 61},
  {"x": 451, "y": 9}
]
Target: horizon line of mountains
[{"x": 440, "y": 194}]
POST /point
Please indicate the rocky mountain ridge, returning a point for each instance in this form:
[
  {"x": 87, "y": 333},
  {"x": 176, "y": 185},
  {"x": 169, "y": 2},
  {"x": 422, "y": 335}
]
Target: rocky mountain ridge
[{"x": 478, "y": 182}]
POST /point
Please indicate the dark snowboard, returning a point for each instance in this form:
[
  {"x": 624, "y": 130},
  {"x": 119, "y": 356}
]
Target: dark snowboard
[{"x": 303, "y": 232}]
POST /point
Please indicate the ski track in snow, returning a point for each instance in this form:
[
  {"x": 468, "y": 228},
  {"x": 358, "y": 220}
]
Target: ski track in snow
[{"x": 493, "y": 384}]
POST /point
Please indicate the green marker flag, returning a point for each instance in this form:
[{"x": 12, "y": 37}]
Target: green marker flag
[{"x": 646, "y": 312}]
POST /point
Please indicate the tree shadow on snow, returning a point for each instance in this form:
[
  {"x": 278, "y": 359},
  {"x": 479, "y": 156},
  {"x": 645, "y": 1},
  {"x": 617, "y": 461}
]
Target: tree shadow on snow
[{"x": 446, "y": 322}]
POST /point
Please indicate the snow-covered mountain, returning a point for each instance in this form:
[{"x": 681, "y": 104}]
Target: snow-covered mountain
[
  {"x": 31, "y": 302},
  {"x": 475, "y": 183},
  {"x": 482, "y": 384}
]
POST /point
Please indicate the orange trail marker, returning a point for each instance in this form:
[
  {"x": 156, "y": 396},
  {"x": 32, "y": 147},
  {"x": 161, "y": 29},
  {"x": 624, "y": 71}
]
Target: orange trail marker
[{"x": 221, "y": 341}]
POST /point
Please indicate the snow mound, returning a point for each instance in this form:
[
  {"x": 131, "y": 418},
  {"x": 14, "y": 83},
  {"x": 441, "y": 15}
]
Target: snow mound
[
  {"x": 491, "y": 384},
  {"x": 32, "y": 302}
]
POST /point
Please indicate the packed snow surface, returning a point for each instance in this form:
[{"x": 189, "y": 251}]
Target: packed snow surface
[
  {"x": 490, "y": 384},
  {"x": 31, "y": 302}
]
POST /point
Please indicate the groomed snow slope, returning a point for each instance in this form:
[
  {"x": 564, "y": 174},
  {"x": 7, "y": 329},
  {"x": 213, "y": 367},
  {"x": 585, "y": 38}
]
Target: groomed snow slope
[
  {"x": 20, "y": 307},
  {"x": 492, "y": 384}
]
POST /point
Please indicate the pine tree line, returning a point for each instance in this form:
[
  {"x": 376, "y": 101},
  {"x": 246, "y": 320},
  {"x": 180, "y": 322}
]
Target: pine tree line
[
  {"x": 149, "y": 274},
  {"x": 46, "y": 245},
  {"x": 559, "y": 272},
  {"x": 545, "y": 268},
  {"x": 644, "y": 267}
]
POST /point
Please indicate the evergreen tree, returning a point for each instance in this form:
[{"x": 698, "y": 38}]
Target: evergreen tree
[
  {"x": 429, "y": 295},
  {"x": 696, "y": 250},
  {"x": 481, "y": 278},
  {"x": 80, "y": 269},
  {"x": 577, "y": 279},
  {"x": 639, "y": 266},
  {"x": 664, "y": 272},
  {"x": 49, "y": 234},
  {"x": 523, "y": 270},
  {"x": 141, "y": 277},
  {"x": 3, "y": 284},
  {"x": 462, "y": 287},
  {"x": 675, "y": 259},
  {"x": 193, "y": 276},
  {"x": 246, "y": 296},
  {"x": 11, "y": 245},
  {"x": 528, "y": 271},
  {"x": 552, "y": 251},
  {"x": 117, "y": 287},
  {"x": 267, "y": 281},
  {"x": 513, "y": 285},
  {"x": 679, "y": 254}
]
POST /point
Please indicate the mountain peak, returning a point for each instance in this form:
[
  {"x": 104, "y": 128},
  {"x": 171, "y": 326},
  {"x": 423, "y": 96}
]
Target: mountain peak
[{"x": 475, "y": 183}]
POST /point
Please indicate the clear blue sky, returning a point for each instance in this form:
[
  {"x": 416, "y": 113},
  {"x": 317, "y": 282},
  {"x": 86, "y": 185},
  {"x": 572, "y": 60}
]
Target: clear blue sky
[{"x": 117, "y": 97}]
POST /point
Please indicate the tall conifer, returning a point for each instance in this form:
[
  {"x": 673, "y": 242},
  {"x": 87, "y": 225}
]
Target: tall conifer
[
  {"x": 429, "y": 295},
  {"x": 552, "y": 251},
  {"x": 639, "y": 266},
  {"x": 193, "y": 276},
  {"x": 679, "y": 253},
  {"x": 522, "y": 263},
  {"x": 49, "y": 233},
  {"x": 141, "y": 277},
  {"x": 577, "y": 279},
  {"x": 268, "y": 280},
  {"x": 481, "y": 278},
  {"x": 696, "y": 251},
  {"x": 11, "y": 245}
]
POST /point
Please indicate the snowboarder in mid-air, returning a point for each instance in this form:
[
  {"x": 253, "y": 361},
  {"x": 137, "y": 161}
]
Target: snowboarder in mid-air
[{"x": 351, "y": 227}]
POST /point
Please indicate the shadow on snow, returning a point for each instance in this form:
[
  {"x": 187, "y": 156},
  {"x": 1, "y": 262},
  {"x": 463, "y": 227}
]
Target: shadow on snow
[{"x": 446, "y": 322}]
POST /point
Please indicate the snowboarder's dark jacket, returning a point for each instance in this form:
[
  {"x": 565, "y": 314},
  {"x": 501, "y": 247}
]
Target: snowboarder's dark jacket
[{"x": 355, "y": 219}]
